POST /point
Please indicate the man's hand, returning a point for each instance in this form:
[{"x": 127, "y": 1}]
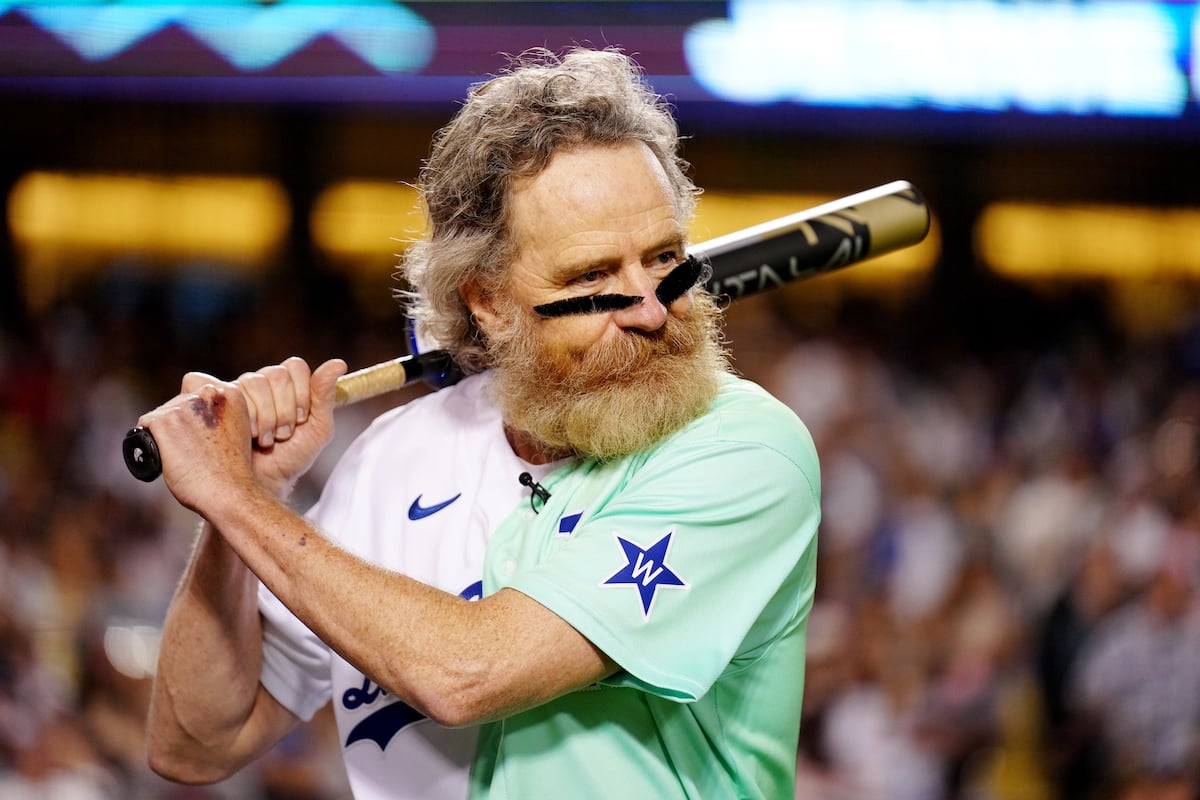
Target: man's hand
[{"x": 267, "y": 427}]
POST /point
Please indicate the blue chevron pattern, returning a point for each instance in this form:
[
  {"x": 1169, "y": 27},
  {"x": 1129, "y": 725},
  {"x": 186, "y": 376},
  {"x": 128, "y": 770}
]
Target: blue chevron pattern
[{"x": 250, "y": 36}]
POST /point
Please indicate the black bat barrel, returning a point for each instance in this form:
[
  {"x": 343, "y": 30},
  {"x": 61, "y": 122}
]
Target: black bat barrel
[{"x": 816, "y": 241}]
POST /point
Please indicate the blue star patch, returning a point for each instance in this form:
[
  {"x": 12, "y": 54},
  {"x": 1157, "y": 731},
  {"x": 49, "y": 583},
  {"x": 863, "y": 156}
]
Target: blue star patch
[{"x": 646, "y": 569}]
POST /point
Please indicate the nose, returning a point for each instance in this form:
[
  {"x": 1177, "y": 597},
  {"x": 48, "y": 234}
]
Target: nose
[{"x": 648, "y": 315}]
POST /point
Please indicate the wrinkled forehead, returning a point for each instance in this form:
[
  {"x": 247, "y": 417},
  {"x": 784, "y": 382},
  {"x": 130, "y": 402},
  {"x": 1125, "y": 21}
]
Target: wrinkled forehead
[{"x": 594, "y": 196}]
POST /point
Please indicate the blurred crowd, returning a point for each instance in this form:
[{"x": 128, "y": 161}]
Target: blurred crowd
[
  {"x": 1008, "y": 559},
  {"x": 1010, "y": 551}
]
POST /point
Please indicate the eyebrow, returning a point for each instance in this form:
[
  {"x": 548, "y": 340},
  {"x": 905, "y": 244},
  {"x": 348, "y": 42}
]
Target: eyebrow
[
  {"x": 676, "y": 283},
  {"x": 566, "y": 271}
]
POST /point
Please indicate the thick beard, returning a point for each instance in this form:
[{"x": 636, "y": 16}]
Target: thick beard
[{"x": 611, "y": 399}]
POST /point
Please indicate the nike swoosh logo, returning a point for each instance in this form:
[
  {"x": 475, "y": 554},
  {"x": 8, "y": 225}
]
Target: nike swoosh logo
[{"x": 417, "y": 511}]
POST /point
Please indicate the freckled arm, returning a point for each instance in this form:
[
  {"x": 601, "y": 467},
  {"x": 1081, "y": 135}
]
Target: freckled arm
[
  {"x": 455, "y": 661},
  {"x": 209, "y": 715}
]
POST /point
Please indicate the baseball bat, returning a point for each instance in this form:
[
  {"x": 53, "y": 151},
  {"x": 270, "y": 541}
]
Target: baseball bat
[
  {"x": 815, "y": 241},
  {"x": 796, "y": 247}
]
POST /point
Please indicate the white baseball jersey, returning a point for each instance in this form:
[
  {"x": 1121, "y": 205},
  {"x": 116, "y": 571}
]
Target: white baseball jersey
[{"x": 420, "y": 492}]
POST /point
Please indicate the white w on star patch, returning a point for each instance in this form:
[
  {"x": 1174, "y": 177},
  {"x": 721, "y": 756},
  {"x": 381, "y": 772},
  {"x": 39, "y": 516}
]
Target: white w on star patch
[{"x": 646, "y": 569}]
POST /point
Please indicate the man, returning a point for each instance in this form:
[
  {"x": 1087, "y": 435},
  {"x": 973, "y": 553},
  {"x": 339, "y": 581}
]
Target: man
[{"x": 642, "y": 593}]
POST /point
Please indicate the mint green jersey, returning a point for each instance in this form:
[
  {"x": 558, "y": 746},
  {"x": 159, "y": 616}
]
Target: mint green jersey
[{"x": 692, "y": 566}]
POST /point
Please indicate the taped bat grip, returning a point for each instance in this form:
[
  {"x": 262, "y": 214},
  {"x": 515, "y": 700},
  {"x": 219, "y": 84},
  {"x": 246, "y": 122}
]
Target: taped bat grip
[{"x": 373, "y": 381}]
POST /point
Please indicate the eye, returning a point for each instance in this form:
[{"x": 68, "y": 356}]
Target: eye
[
  {"x": 589, "y": 278},
  {"x": 667, "y": 258}
]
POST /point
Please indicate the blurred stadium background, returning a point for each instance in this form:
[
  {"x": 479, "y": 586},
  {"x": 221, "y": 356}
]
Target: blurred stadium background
[{"x": 1007, "y": 414}]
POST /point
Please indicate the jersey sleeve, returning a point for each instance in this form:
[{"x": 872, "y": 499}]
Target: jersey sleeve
[
  {"x": 296, "y": 664},
  {"x": 698, "y": 564}
]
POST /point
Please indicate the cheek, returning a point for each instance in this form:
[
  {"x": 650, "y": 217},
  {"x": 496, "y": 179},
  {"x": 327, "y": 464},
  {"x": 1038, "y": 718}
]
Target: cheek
[
  {"x": 580, "y": 333},
  {"x": 681, "y": 306}
]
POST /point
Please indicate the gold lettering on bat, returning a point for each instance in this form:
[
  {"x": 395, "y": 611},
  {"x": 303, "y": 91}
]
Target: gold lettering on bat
[
  {"x": 850, "y": 248},
  {"x": 758, "y": 279},
  {"x": 765, "y": 272},
  {"x": 844, "y": 253},
  {"x": 810, "y": 234},
  {"x": 738, "y": 281},
  {"x": 844, "y": 220},
  {"x": 797, "y": 270}
]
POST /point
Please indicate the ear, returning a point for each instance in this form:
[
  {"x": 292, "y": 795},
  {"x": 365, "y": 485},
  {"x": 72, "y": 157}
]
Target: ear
[{"x": 480, "y": 303}]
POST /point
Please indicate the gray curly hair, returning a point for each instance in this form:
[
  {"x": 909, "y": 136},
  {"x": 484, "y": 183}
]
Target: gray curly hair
[{"x": 508, "y": 129}]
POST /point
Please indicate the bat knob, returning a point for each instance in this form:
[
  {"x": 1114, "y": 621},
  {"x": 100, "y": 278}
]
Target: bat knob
[{"x": 141, "y": 454}]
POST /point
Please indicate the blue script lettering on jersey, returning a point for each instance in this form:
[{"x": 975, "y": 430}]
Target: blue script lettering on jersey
[
  {"x": 353, "y": 698},
  {"x": 381, "y": 726},
  {"x": 417, "y": 511}
]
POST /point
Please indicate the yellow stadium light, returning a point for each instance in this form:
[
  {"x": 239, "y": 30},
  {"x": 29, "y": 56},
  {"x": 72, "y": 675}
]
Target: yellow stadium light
[
  {"x": 241, "y": 219},
  {"x": 364, "y": 218},
  {"x": 363, "y": 226},
  {"x": 67, "y": 226},
  {"x": 1033, "y": 241}
]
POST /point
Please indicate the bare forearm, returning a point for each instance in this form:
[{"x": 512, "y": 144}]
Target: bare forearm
[
  {"x": 207, "y": 683},
  {"x": 382, "y": 622},
  {"x": 453, "y": 660}
]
